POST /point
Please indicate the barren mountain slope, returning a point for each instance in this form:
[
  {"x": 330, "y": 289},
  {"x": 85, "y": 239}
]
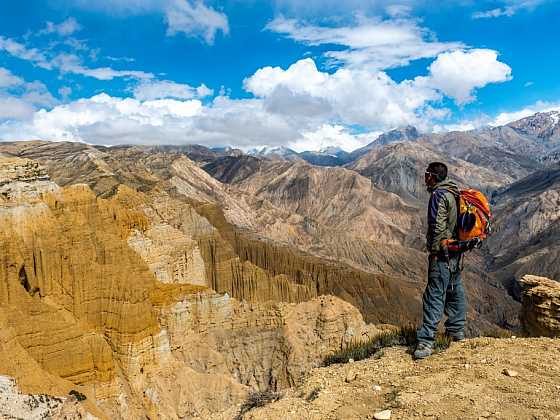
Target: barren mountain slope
[
  {"x": 528, "y": 228},
  {"x": 383, "y": 280},
  {"x": 335, "y": 197},
  {"x": 543, "y": 128},
  {"x": 400, "y": 167},
  {"x": 492, "y": 149}
]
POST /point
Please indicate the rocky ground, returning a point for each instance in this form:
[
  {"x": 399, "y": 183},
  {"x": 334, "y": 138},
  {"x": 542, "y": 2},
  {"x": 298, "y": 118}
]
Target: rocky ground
[{"x": 483, "y": 378}]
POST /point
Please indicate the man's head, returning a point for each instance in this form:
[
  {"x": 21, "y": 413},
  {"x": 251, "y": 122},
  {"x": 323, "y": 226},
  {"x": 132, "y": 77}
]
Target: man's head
[{"x": 435, "y": 173}]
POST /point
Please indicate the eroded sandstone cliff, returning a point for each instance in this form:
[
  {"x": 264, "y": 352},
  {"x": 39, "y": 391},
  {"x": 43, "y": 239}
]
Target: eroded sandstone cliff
[{"x": 111, "y": 297}]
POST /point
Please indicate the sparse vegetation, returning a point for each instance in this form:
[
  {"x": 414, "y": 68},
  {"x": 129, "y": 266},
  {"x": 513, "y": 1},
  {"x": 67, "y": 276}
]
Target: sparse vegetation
[
  {"x": 313, "y": 394},
  {"x": 404, "y": 336},
  {"x": 499, "y": 333},
  {"x": 442, "y": 342},
  {"x": 257, "y": 399},
  {"x": 78, "y": 395}
]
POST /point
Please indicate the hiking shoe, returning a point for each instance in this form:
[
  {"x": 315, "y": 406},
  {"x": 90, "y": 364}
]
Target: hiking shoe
[{"x": 422, "y": 351}]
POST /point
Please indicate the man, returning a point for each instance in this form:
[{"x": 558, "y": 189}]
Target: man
[{"x": 444, "y": 292}]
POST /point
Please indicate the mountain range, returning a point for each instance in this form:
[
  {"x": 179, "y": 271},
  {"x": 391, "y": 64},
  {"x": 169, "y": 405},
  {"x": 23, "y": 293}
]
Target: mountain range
[{"x": 139, "y": 275}]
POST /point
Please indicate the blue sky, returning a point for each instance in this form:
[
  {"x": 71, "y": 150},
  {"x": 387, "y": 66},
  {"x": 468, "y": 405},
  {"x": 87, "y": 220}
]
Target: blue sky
[{"x": 249, "y": 73}]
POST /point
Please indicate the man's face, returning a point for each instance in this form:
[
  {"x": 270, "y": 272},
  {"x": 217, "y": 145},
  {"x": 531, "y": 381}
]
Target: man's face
[{"x": 429, "y": 178}]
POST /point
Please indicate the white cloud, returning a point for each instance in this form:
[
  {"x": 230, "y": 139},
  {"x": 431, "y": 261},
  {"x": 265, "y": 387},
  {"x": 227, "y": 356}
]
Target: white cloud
[
  {"x": 192, "y": 18},
  {"x": 65, "y": 62},
  {"x": 510, "y": 9},
  {"x": 64, "y": 28},
  {"x": 20, "y": 51},
  {"x": 71, "y": 63},
  {"x": 14, "y": 108},
  {"x": 65, "y": 92},
  {"x": 8, "y": 79},
  {"x": 157, "y": 89},
  {"x": 459, "y": 73},
  {"x": 125, "y": 59},
  {"x": 371, "y": 42},
  {"x": 332, "y": 135},
  {"x": 106, "y": 120},
  {"x": 500, "y": 119},
  {"x": 348, "y": 96},
  {"x": 103, "y": 119},
  {"x": 195, "y": 19},
  {"x": 20, "y": 99},
  {"x": 507, "y": 117}
]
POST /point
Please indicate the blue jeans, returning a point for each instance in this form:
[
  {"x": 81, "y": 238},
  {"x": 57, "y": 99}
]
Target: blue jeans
[{"x": 444, "y": 295}]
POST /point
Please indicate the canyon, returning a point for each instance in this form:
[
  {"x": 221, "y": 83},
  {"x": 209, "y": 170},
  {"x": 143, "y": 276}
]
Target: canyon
[{"x": 175, "y": 281}]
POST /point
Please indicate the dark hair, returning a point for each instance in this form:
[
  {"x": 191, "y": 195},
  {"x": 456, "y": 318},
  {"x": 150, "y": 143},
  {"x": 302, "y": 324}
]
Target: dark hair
[{"x": 438, "y": 169}]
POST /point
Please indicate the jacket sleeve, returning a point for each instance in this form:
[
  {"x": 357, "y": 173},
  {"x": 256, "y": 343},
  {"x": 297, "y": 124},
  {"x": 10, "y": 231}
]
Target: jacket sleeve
[{"x": 438, "y": 209}]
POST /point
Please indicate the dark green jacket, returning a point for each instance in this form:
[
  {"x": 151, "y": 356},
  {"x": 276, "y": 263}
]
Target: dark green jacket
[{"x": 442, "y": 214}]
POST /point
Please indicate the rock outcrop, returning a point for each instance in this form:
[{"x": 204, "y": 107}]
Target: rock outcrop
[{"x": 540, "y": 315}]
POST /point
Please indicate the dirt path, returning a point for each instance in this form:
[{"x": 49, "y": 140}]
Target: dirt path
[{"x": 465, "y": 382}]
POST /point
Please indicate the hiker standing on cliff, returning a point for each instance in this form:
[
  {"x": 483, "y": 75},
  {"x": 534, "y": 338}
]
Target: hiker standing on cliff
[{"x": 444, "y": 292}]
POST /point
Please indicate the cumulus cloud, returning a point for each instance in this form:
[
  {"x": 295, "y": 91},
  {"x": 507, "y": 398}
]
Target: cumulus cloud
[
  {"x": 300, "y": 106},
  {"x": 459, "y": 73},
  {"x": 348, "y": 96},
  {"x": 106, "y": 120},
  {"x": 157, "y": 89},
  {"x": 370, "y": 42}
]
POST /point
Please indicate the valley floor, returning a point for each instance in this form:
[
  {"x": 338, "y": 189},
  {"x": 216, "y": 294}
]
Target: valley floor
[{"x": 467, "y": 381}]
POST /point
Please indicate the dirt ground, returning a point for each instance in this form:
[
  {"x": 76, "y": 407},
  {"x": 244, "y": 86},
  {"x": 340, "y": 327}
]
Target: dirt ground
[{"x": 467, "y": 381}]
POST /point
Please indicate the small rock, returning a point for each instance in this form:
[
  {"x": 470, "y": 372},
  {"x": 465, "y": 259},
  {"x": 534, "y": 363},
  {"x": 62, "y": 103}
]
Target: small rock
[
  {"x": 350, "y": 360},
  {"x": 510, "y": 372},
  {"x": 382, "y": 415},
  {"x": 351, "y": 376},
  {"x": 377, "y": 388},
  {"x": 467, "y": 366},
  {"x": 485, "y": 414},
  {"x": 513, "y": 336}
]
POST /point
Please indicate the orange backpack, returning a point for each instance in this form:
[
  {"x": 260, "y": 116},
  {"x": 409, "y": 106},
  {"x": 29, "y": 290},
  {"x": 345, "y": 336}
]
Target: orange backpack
[{"x": 474, "y": 215}]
